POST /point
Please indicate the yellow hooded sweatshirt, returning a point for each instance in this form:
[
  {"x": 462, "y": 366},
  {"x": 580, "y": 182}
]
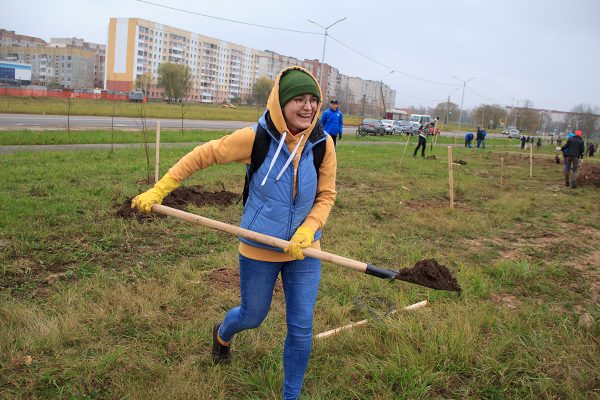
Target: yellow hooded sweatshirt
[{"x": 237, "y": 147}]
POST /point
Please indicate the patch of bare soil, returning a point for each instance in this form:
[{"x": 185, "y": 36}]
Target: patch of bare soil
[
  {"x": 589, "y": 174},
  {"x": 29, "y": 278},
  {"x": 426, "y": 203},
  {"x": 585, "y": 264},
  {"x": 431, "y": 274},
  {"x": 180, "y": 198},
  {"x": 507, "y": 300},
  {"x": 229, "y": 279}
]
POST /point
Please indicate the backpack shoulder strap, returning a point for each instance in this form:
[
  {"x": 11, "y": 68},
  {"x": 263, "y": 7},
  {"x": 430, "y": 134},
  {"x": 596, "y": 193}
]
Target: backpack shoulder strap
[
  {"x": 318, "y": 154},
  {"x": 260, "y": 147}
]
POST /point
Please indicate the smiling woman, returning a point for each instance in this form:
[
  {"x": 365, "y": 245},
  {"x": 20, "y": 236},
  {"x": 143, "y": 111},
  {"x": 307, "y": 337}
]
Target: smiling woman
[
  {"x": 289, "y": 196},
  {"x": 300, "y": 111}
]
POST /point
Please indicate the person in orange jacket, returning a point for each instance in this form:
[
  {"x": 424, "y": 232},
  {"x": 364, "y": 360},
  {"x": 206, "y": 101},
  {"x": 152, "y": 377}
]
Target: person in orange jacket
[{"x": 287, "y": 198}]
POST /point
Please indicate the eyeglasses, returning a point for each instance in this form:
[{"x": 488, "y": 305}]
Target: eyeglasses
[{"x": 302, "y": 101}]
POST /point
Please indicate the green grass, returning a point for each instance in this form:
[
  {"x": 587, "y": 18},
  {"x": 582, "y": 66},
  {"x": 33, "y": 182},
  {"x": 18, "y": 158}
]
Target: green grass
[
  {"x": 154, "y": 109},
  {"x": 104, "y": 137},
  {"x": 27, "y": 137},
  {"x": 130, "y": 312}
]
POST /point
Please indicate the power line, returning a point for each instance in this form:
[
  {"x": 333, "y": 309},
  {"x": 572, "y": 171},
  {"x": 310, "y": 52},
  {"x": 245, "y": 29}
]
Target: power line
[
  {"x": 474, "y": 92},
  {"x": 309, "y": 33},
  {"x": 230, "y": 20},
  {"x": 389, "y": 67},
  {"x": 417, "y": 98}
]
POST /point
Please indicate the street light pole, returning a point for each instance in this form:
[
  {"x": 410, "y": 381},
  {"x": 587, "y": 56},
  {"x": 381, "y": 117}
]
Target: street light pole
[
  {"x": 483, "y": 114},
  {"x": 326, "y": 28},
  {"x": 447, "y": 108},
  {"x": 381, "y": 89},
  {"x": 461, "y": 101}
]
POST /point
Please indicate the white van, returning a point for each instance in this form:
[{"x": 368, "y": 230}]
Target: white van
[{"x": 417, "y": 120}]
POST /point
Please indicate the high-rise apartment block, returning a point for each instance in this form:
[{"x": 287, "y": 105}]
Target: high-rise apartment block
[
  {"x": 54, "y": 66},
  {"x": 99, "y": 51},
  {"x": 10, "y": 38},
  {"x": 222, "y": 71},
  {"x": 64, "y": 62}
]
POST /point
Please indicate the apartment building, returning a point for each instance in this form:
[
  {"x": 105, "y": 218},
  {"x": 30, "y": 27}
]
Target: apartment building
[
  {"x": 10, "y": 38},
  {"x": 99, "y": 51},
  {"x": 271, "y": 63},
  {"x": 222, "y": 71},
  {"x": 54, "y": 67}
]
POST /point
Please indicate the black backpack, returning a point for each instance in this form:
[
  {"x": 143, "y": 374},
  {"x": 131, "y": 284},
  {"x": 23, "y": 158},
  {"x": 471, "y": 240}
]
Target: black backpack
[{"x": 262, "y": 141}]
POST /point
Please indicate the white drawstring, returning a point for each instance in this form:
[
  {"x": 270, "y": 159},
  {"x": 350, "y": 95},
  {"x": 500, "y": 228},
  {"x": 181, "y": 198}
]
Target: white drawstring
[
  {"x": 291, "y": 157},
  {"x": 281, "y": 141}
]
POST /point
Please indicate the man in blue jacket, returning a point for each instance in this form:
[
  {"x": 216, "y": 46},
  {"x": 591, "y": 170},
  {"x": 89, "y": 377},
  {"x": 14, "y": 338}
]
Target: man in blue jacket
[
  {"x": 332, "y": 121},
  {"x": 573, "y": 152}
]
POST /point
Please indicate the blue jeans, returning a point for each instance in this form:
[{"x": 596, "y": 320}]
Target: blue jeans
[{"x": 301, "y": 280}]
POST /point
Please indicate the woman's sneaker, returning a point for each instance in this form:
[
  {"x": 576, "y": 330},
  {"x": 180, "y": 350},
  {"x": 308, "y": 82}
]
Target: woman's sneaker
[{"x": 220, "y": 354}]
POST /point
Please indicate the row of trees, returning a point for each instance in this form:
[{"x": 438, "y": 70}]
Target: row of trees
[
  {"x": 175, "y": 79},
  {"x": 526, "y": 118}
]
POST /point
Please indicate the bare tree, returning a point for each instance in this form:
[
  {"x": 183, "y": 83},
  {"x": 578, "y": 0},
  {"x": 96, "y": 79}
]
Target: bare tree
[
  {"x": 586, "y": 119},
  {"x": 145, "y": 139},
  {"x": 488, "y": 116},
  {"x": 524, "y": 117},
  {"x": 144, "y": 82},
  {"x": 69, "y": 114},
  {"x": 446, "y": 110}
]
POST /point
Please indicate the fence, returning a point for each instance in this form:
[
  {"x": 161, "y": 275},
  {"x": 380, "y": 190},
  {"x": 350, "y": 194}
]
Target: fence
[{"x": 25, "y": 92}]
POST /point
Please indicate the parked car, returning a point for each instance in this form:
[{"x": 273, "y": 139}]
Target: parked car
[
  {"x": 388, "y": 125},
  {"x": 417, "y": 120},
  {"x": 370, "y": 127},
  {"x": 136, "y": 96},
  {"x": 403, "y": 126},
  {"x": 513, "y": 133}
]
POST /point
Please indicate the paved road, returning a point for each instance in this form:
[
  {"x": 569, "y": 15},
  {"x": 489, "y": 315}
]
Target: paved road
[{"x": 38, "y": 121}]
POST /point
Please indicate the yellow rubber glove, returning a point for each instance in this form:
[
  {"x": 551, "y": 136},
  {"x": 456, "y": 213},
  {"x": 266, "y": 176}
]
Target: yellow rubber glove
[
  {"x": 302, "y": 239},
  {"x": 161, "y": 189}
]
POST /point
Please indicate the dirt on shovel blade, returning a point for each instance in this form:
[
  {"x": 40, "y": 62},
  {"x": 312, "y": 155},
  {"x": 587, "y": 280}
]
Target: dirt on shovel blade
[
  {"x": 430, "y": 273},
  {"x": 179, "y": 199}
]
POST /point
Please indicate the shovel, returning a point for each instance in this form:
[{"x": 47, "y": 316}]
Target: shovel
[{"x": 426, "y": 273}]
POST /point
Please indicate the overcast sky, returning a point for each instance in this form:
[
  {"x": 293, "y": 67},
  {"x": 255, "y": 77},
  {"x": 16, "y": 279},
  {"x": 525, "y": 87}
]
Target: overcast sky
[{"x": 546, "y": 51}]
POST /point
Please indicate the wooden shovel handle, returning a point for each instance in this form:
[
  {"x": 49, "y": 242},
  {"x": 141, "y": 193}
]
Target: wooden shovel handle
[{"x": 273, "y": 241}]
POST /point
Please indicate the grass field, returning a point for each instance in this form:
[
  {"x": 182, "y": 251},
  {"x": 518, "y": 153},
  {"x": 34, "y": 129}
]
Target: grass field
[
  {"x": 98, "y": 307},
  {"x": 27, "y": 137},
  {"x": 50, "y": 105}
]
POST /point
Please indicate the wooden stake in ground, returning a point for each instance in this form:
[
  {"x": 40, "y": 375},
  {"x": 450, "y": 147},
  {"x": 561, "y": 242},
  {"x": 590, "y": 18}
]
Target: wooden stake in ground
[
  {"x": 450, "y": 177},
  {"x": 531, "y": 160},
  {"x": 405, "y": 147},
  {"x": 157, "y": 158},
  {"x": 502, "y": 173},
  {"x": 335, "y": 331}
]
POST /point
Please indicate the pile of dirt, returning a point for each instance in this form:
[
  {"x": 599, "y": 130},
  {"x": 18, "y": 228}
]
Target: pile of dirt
[
  {"x": 431, "y": 274},
  {"x": 179, "y": 199},
  {"x": 589, "y": 174}
]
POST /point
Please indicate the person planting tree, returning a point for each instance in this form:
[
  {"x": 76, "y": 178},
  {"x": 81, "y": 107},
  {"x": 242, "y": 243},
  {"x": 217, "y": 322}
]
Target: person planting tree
[
  {"x": 573, "y": 152},
  {"x": 289, "y": 193}
]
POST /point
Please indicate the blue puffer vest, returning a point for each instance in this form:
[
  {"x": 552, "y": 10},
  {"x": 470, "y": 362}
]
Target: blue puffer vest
[{"x": 271, "y": 208}]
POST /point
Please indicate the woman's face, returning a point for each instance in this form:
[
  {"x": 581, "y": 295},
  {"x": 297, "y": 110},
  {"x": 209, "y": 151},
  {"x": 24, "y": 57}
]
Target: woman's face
[{"x": 300, "y": 111}]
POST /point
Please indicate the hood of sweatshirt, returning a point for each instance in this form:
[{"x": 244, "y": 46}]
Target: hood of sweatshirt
[{"x": 276, "y": 112}]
